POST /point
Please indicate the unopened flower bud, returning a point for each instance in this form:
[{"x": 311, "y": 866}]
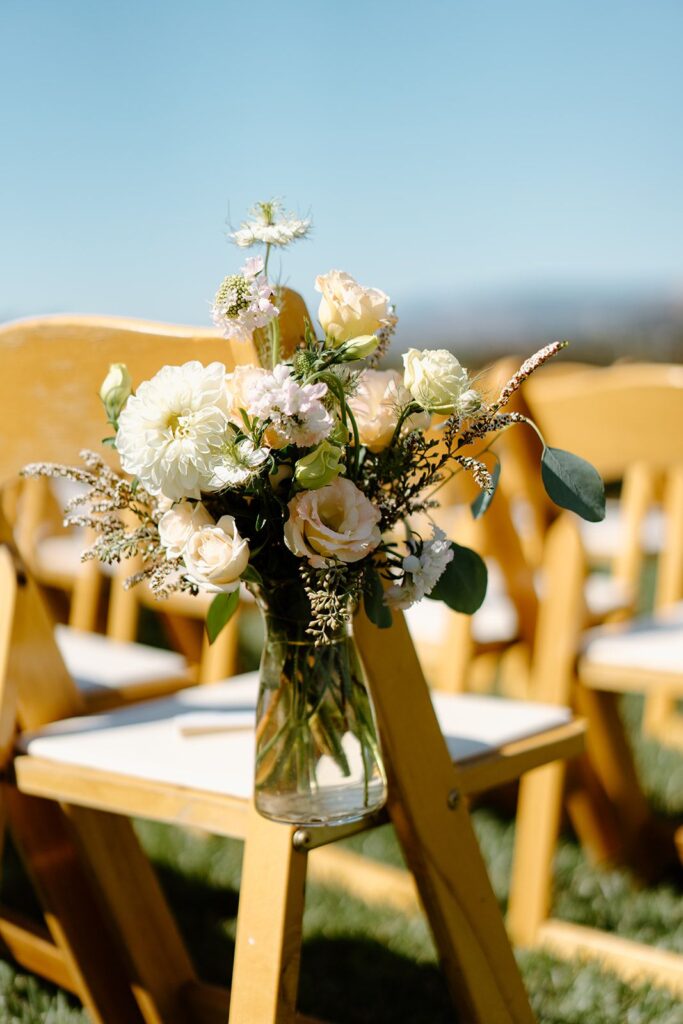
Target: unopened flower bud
[
  {"x": 319, "y": 468},
  {"x": 115, "y": 391},
  {"x": 469, "y": 403},
  {"x": 359, "y": 348}
]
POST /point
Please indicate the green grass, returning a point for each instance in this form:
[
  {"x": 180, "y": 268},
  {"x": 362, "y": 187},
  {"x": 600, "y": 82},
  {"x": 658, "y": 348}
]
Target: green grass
[{"x": 366, "y": 965}]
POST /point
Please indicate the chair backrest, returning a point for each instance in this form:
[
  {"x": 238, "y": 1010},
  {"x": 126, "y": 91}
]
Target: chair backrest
[
  {"x": 615, "y": 416},
  {"x": 625, "y": 419}
]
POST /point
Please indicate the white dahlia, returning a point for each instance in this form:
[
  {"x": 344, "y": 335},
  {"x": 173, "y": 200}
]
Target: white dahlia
[{"x": 173, "y": 430}]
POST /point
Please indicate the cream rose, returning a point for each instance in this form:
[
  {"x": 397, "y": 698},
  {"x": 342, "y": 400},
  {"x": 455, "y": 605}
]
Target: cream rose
[
  {"x": 179, "y": 524},
  {"x": 376, "y": 406},
  {"x": 434, "y": 378},
  {"x": 216, "y": 556},
  {"x": 336, "y": 521},
  {"x": 348, "y": 310}
]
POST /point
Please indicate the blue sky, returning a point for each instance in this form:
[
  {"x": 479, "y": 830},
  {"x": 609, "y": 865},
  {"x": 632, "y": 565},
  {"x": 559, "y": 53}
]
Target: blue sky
[{"x": 442, "y": 147}]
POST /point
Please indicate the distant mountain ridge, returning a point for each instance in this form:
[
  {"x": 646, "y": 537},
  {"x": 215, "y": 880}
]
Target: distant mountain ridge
[{"x": 602, "y": 323}]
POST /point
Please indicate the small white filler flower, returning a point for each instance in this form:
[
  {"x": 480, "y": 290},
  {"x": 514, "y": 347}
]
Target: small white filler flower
[
  {"x": 296, "y": 412},
  {"x": 421, "y": 571}
]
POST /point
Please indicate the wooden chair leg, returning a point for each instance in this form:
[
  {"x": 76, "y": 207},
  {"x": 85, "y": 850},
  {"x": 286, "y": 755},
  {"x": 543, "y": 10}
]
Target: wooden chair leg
[
  {"x": 269, "y": 924},
  {"x": 592, "y": 813},
  {"x": 72, "y": 912},
  {"x": 157, "y": 960},
  {"x": 539, "y": 807},
  {"x": 435, "y": 831},
  {"x": 643, "y": 843}
]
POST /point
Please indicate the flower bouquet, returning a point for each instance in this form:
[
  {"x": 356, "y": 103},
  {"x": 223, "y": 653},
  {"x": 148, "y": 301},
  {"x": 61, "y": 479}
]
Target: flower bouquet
[{"x": 307, "y": 476}]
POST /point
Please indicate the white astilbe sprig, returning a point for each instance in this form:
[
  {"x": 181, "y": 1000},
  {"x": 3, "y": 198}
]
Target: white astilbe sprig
[
  {"x": 270, "y": 225},
  {"x": 123, "y": 517}
]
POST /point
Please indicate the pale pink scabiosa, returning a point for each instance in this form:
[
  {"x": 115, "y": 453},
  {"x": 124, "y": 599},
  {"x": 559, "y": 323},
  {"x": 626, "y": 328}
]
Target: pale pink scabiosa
[
  {"x": 172, "y": 431},
  {"x": 377, "y": 404},
  {"x": 295, "y": 411},
  {"x": 334, "y": 522},
  {"x": 243, "y": 302},
  {"x": 422, "y": 570},
  {"x": 270, "y": 226}
]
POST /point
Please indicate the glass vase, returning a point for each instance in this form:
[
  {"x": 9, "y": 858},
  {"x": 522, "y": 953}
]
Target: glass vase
[{"x": 318, "y": 758}]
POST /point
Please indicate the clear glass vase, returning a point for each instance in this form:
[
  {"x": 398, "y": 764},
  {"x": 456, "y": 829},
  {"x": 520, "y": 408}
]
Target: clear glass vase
[{"x": 318, "y": 758}]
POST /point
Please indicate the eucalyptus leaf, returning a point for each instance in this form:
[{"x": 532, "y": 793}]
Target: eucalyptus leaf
[
  {"x": 462, "y": 585},
  {"x": 373, "y": 601},
  {"x": 573, "y": 483},
  {"x": 484, "y": 498},
  {"x": 221, "y": 610}
]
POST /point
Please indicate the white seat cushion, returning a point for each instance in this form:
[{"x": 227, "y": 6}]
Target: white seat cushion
[
  {"x": 148, "y": 741},
  {"x": 605, "y": 539},
  {"x": 98, "y": 664},
  {"x": 651, "y": 643}
]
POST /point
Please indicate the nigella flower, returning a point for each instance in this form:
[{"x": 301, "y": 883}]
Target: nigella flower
[
  {"x": 267, "y": 229},
  {"x": 295, "y": 411},
  {"x": 422, "y": 569},
  {"x": 243, "y": 302},
  {"x": 240, "y": 461}
]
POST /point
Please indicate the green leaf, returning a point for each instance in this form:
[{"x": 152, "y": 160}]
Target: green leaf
[
  {"x": 110, "y": 442},
  {"x": 462, "y": 586},
  {"x": 573, "y": 483},
  {"x": 484, "y": 498},
  {"x": 251, "y": 575},
  {"x": 373, "y": 600},
  {"x": 221, "y": 610}
]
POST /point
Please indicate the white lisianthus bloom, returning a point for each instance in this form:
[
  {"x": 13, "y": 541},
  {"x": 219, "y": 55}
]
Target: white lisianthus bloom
[
  {"x": 216, "y": 556},
  {"x": 173, "y": 429},
  {"x": 422, "y": 570},
  {"x": 180, "y": 523},
  {"x": 334, "y": 522},
  {"x": 243, "y": 302},
  {"x": 295, "y": 411},
  {"x": 270, "y": 226},
  {"x": 240, "y": 461},
  {"x": 348, "y": 310},
  {"x": 115, "y": 390},
  {"x": 376, "y": 405},
  {"x": 434, "y": 378}
]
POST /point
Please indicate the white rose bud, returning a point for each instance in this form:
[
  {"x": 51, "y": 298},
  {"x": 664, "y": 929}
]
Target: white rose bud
[
  {"x": 434, "y": 378},
  {"x": 469, "y": 403},
  {"x": 115, "y": 391},
  {"x": 216, "y": 556},
  {"x": 360, "y": 348},
  {"x": 348, "y": 310},
  {"x": 180, "y": 523}
]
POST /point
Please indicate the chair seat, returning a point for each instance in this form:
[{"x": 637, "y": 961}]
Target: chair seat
[
  {"x": 641, "y": 649},
  {"x": 604, "y": 540},
  {"x": 152, "y": 741},
  {"x": 101, "y": 666}
]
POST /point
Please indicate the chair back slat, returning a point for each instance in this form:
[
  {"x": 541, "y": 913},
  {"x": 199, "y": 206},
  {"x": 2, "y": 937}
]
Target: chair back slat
[
  {"x": 53, "y": 367},
  {"x": 614, "y": 417}
]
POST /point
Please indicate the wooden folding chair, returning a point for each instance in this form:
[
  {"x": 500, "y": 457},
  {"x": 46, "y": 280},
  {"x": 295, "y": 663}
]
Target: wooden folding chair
[
  {"x": 80, "y": 350},
  {"x": 626, "y": 421},
  {"x": 89, "y": 774}
]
